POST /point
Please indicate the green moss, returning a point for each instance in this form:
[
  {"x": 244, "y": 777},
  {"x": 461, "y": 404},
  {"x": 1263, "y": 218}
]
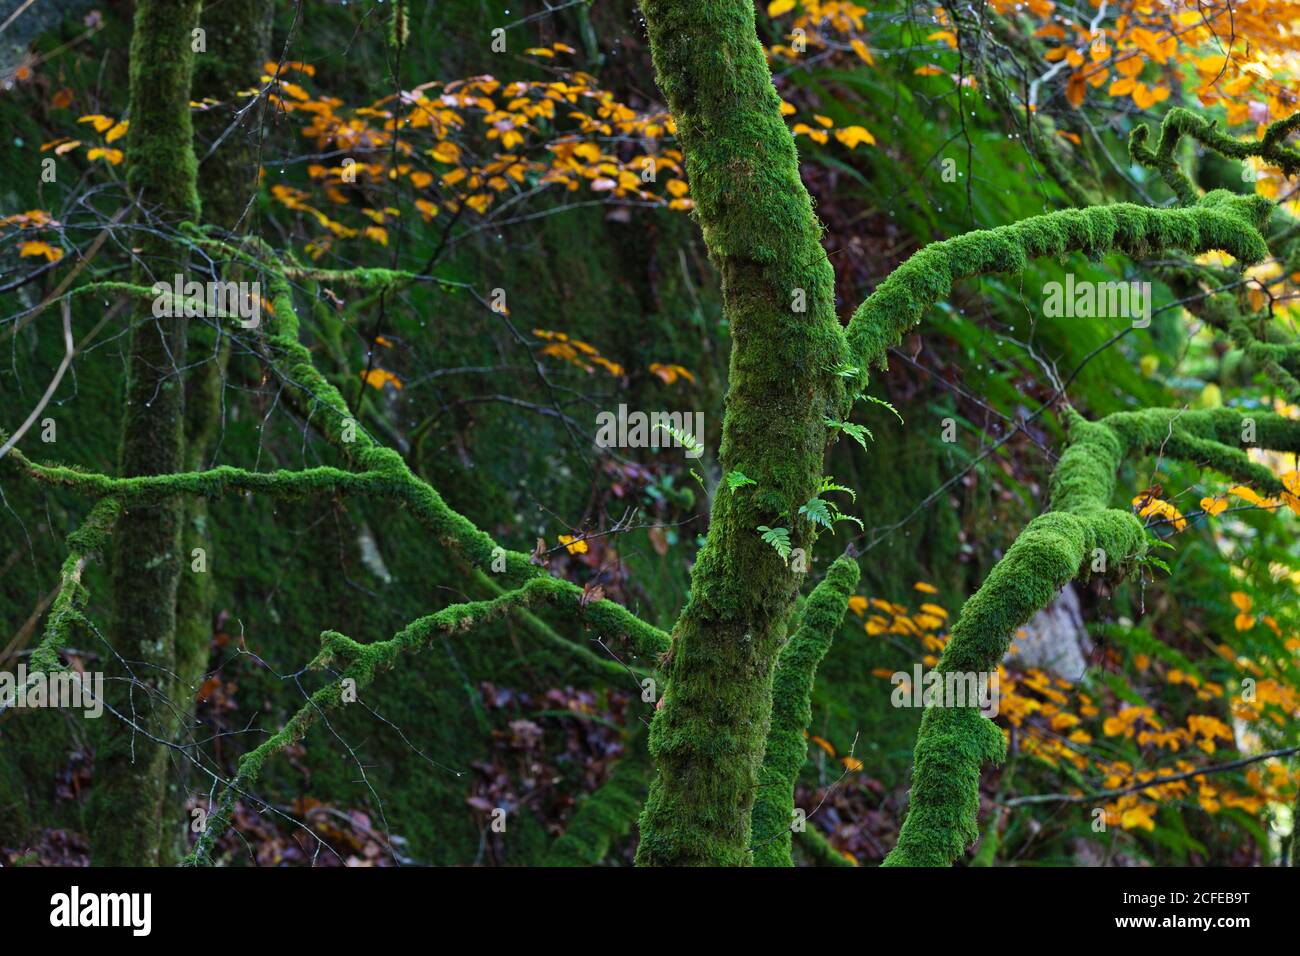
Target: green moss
[
  {"x": 147, "y": 561},
  {"x": 792, "y": 687},
  {"x": 709, "y": 735},
  {"x": 818, "y": 849},
  {"x": 1218, "y": 221},
  {"x": 953, "y": 743},
  {"x": 609, "y": 813},
  {"x": 1179, "y": 122},
  {"x": 1053, "y": 549}
]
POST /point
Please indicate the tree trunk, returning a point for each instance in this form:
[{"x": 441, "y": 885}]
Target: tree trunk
[
  {"x": 147, "y": 561},
  {"x": 708, "y": 737},
  {"x": 238, "y": 36}
]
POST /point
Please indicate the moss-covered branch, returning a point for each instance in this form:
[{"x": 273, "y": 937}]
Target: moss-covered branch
[
  {"x": 1080, "y": 532},
  {"x": 359, "y": 664},
  {"x": 1179, "y": 122},
  {"x": 1219, "y": 220},
  {"x": 609, "y": 813},
  {"x": 66, "y": 609},
  {"x": 1212, "y": 438},
  {"x": 819, "y": 850},
  {"x": 792, "y": 687},
  {"x": 211, "y": 483}
]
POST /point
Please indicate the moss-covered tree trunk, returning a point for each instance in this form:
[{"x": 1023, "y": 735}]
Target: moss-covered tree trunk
[
  {"x": 709, "y": 734},
  {"x": 130, "y": 770},
  {"x": 238, "y": 38}
]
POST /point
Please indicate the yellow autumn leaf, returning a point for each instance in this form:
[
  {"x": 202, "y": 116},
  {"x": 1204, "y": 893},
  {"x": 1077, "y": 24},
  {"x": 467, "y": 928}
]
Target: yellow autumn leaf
[
  {"x": 1214, "y": 506},
  {"x": 1145, "y": 97},
  {"x": 573, "y": 544},
  {"x": 113, "y": 156},
  {"x": 816, "y": 135},
  {"x": 378, "y": 377},
  {"x": 1076, "y": 89},
  {"x": 1122, "y": 87},
  {"x": 863, "y": 53},
  {"x": 38, "y": 248},
  {"x": 445, "y": 152},
  {"x": 1248, "y": 494},
  {"x": 98, "y": 120},
  {"x": 778, "y": 7},
  {"x": 853, "y": 136},
  {"x": 1139, "y": 816}
]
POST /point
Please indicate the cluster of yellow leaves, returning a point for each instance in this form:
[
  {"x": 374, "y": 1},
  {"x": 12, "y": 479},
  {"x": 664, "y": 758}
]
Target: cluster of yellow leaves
[
  {"x": 33, "y": 219},
  {"x": 850, "y": 136},
  {"x": 850, "y": 763},
  {"x": 833, "y": 27},
  {"x": 1216, "y": 504},
  {"x": 1240, "y": 52},
  {"x": 576, "y": 352},
  {"x": 35, "y": 247},
  {"x": 1050, "y": 714},
  {"x": 815, "y": 16},
  {"x": 1149, "y": 506},
  {"x": 585, "y": 356},
  {"x": 112, "y": 130},
  {"x": 1142, "y": 724},
  {"x": 471, "y": 143}
]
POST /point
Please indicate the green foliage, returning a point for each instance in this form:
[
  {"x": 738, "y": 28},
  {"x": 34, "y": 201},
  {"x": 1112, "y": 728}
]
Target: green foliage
[
  {"x": 779, "y": 539},
  {"x": 737, "y": 480},
  {"x": 859, "y": 433}
]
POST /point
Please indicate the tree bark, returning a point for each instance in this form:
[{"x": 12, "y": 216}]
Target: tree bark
[
  {"x": 238, "y": 37},
  {"x": 161, "y": 173},
  {"x": 778, "y": 297}
]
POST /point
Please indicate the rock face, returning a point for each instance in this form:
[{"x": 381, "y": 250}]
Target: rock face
[{"x": 1055, "y": 639}]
